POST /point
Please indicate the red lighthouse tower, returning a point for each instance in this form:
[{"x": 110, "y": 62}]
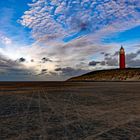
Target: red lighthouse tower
[{"x": 122, "y": 58}]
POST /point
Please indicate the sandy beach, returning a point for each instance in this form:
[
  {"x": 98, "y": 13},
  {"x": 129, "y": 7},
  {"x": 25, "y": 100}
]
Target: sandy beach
[{"x": 70, "y": 110}]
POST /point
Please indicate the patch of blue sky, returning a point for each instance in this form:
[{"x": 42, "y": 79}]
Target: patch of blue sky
[
  {"x": 76, "y": 35},
  {"x": 10, "y": 12},
  {"x": 124, "y": 37}
]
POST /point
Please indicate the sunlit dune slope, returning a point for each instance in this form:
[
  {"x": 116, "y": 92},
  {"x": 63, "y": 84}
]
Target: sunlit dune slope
[{"x": 129, "y": 74}]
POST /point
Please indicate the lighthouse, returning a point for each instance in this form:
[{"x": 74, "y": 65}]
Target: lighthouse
[{"x": 122, "y": 58}]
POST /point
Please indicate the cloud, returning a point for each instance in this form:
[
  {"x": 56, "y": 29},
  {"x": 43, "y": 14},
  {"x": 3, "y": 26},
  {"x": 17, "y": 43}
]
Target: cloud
[
  {"x": 44, "y": 59},
  {"x": 11, "y": 70},
  {"x": 58, "y": 19},
  {"x": 32, "y": 60},
  {"x": 132, "y": 59},
  {"x": 111, "y": 61},
  {"x": 5, "y": 40},
  {"x": 22, "y": 59},
  {"x": 43, "y": 72},
  {"x": 94, "y": 63},
  {"x": 68, "y": 71}
]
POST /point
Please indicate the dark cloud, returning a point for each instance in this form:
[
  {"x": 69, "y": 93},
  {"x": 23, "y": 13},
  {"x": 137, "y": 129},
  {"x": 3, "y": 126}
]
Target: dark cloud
[
  {"x": 58, "y": 69},
  {"x": 131, "y": 56},
  {"x": 111, "y": 61},
  {"x": 84, "y": 26},
  {"x": 102, "y": 53},
  {"x": 138, "y": 52},
  {"x": 22, "y": 59},
  {"x": 44, "y": 59},
  {"x": 68, "y": 71},
  {"x": 106, "y": 54},
  {"x": 131, "y": 59},
  {"x": 12, "y": 71},
  {"x": 32, "y": 60},
  {"x": 103, "y": 63},
  {"x": 134, "y": 63},
  {"x": 94, "y": 63},
  {"x": 43, "y": 71}
]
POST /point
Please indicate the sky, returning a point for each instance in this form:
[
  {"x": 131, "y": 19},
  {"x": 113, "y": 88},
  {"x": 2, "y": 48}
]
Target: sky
[{"x": 43, "y": 40}]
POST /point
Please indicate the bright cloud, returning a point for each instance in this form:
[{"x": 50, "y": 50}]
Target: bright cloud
[
  {"x": 5, "y": 40},
  {"x": 58, "y": 19}
]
